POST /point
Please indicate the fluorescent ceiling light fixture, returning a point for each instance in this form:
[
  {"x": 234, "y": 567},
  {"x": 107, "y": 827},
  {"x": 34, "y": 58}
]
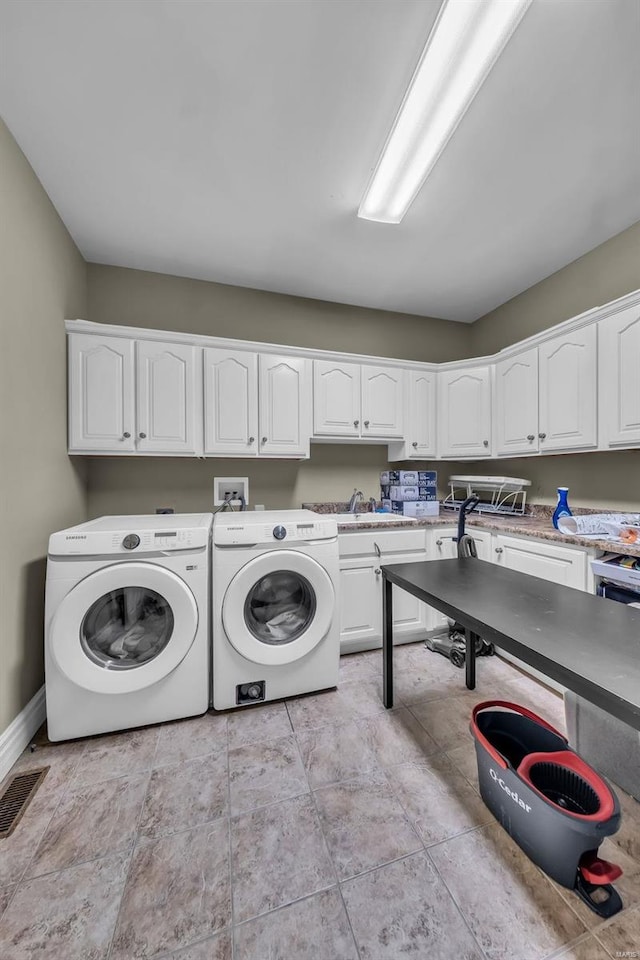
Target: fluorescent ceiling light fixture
[{"x": 465, "y": 42}]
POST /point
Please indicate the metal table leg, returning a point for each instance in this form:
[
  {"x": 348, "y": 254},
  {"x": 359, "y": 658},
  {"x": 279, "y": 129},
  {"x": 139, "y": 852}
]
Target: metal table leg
[
  {"x": 387, "y": 643},
  {"x": 470, "y": 658}
]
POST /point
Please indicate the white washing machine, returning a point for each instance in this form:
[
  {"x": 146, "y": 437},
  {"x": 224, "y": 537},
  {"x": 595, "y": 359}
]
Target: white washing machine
[
  {"x": 276, "y": 617},
  {"x": 127, "y": 623}
]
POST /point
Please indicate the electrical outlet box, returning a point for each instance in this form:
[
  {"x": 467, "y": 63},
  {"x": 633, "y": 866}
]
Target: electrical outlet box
[{"x": 235, "y": 487}]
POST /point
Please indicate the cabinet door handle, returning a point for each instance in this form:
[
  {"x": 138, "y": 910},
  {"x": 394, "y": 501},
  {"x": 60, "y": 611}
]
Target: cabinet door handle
[
  {"x": 252, "y": 439},
  {"x": 366, "y": 423},
  {"x": 377, "y": 549},
  {"x": 142, "y": 436},
  {"x": 377, "y": 571},
  {"x": 498, "y": 549},
  {"x": 126, "y": 435},
  {"x": 485, "y": 443},
  {"x": 438, "y": 543},
  {"x": 542, "y": 435},
  {"x": 414, "y": 444},
  {"x": 264, "y": 440},
  {"x": 356, "y": 423},
  {"x": 531, "y": 436}
]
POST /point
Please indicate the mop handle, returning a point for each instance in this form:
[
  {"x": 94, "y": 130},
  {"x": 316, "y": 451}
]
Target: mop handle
[{"x": 516, "y": 708}]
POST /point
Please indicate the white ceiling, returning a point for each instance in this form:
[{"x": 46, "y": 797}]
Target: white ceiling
[{"x": 232, "y": 140}]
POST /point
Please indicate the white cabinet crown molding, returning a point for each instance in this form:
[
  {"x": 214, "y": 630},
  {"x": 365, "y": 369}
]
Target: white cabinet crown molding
[
  {"x": 591, "y": 316},
  {"x": 224, "y": 343},
  {"x": 143, "y": 333}
]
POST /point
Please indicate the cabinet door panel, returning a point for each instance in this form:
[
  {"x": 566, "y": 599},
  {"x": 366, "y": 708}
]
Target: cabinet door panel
[
  {"x": 568, "y": 391},
  {"x": 231, "y": 402},
  {"x": 409, "y": 614},
  {"x": 464, "y": 412},
  {"x": 360, "y": 602},
  {"x": 169, "y": 404},
  {"x": 517, "y": 404},
  {"x": 336, "y": 399},
  {"x": 545, "y": 560},
  {"x": 419, "y": 418},
  {"x": 101, "y": 398},
  {"x": 442, "y": 546},
  {"x": 382, "y": 401},
  {"x": 284, "y": 406},
  {"x": 619, "y": 350}
]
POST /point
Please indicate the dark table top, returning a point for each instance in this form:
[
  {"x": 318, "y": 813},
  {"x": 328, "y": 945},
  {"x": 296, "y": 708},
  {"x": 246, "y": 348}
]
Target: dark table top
[{"x": 588, "y": 644}]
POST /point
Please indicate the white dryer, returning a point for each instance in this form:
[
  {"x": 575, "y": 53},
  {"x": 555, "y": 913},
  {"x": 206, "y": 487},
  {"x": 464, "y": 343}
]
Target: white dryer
[
  {"x": 127, "y": 623},
  {"x": 276, "y": 618}
]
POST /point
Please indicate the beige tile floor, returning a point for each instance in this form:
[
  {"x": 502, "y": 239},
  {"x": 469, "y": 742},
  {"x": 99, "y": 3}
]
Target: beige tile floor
[{"x": 324, "y": 828}]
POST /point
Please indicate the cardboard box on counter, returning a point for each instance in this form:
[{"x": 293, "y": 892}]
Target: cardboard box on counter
[
  {"x": 409, "y": 477},
  {"x": 413, "y": 508},
  {"x": 419, "y": 492}
]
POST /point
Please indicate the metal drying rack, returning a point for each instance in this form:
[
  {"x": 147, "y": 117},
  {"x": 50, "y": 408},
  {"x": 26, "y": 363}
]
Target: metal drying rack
[{"x": 504, "y": 495}]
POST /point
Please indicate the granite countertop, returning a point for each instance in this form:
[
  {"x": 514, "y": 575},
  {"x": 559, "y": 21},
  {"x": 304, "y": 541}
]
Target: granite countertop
[{"x": 537, "y": 524}]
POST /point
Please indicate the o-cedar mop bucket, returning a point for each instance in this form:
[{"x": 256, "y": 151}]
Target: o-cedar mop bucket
[{"x": 554, "y": 805}]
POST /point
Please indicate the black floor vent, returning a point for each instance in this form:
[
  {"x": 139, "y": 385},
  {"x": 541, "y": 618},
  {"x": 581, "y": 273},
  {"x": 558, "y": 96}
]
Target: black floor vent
[{"x": 17, "y": 796}]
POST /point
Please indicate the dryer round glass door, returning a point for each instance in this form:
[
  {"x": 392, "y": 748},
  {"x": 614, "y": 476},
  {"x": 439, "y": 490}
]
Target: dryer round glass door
[
  {"x": 278, "y": 607},
  {"x": 124, "y": 628}
]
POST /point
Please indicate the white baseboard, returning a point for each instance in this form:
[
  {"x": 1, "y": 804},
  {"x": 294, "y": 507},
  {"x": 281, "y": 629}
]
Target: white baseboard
[{"x": 20, "y": 731}]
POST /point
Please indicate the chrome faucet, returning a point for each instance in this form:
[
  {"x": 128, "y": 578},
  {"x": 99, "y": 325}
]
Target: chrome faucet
[
  {"x": 356, "y": 496},
  {"x": 373, "y": 504}
]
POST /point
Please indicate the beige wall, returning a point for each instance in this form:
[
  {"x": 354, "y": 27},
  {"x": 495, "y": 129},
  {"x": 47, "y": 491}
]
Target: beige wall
[
  {"x": 187, "y": 485},
  {"x": 594, "y": 479},
  {"x": 605, "y": 273},
  {"x": 42, "y": 281},
  {"x": 140, "y": 299}
]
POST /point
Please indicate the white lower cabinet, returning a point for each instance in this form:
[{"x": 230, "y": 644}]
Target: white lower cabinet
[
  {"x": 441, "y": 545},
  {"x": 363, "y": 552},
  {"x": 361, "y": 555},
  {"x": 360, "y": 605},
  {"x": 539, "y": 558}
]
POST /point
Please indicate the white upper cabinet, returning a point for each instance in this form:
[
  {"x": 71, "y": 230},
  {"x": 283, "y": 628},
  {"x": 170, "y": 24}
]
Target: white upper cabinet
[
  {"x": 568, "y": 391},
  {"x": 382, "y": 401},
  {"x": 336, "y": 399},
  {"x": 464, "y": 412},
  {"x": 101, "y": 393},
  {"x": 420, "y": 425},
  {"x": 516, "y": 404},
  {"x": 230, "y": 403},
  {"x": 619, "y": 358},
  {"x": 419, "y": 418},
  {"x": 284, "y": 406},
  {"x": 573, "y": 387},
  {"x": 357, "y": 400},
  {"x": 169, "y": 398}
]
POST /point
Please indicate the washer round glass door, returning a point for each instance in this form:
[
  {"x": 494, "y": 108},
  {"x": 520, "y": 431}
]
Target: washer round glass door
[
  {"x": 124, "y": 628},
  {"x": 278, "y": 607}
]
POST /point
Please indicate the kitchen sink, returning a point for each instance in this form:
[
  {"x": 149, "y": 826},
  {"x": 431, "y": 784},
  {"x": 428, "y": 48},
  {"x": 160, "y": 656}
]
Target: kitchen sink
[{"x": 370, "y": 518}]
